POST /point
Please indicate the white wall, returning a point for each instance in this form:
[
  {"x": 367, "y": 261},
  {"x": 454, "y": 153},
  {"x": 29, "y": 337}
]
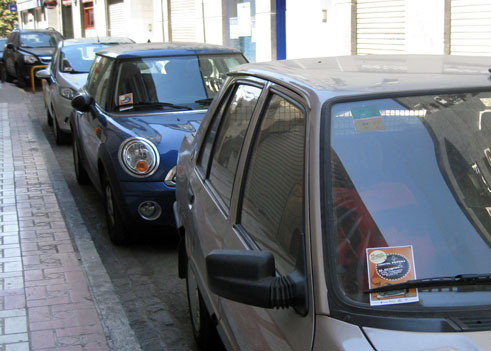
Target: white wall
[
  {"x": 160, "y": 21},
  {"x": 141, "y": 20},
  {"x": 307, "y": 35},
  {"x": 425, "y": 26},
  {"x": 262, "y": 33},
  {"x": 213, "y": 22}
]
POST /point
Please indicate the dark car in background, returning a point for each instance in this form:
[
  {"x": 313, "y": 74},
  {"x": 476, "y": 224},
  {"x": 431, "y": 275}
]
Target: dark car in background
[
  {"x": 129, "y": 120},
  {"x": 65, "y": 75},
  {"x": 27, "y": 48},
  {"x": 3, "y": 41}
]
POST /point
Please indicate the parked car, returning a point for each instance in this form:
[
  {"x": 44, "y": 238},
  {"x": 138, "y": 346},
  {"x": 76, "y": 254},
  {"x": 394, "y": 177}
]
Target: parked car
[
  {"x": 66, "y": 74},
  {"x": 27, "y": 48},
  {"x": 138, "y": 103},
  {"x": 3, "y": 41},
  {"x": 311, "y": 181}
]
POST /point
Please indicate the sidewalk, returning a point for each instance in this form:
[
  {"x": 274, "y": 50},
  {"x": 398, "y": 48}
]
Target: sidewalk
[{"x": 55, "y": 293}]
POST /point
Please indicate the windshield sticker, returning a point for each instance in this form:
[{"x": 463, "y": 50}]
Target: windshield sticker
[
  {"x": 388, "y": 266},
  {"x": 367, "y": 119},
  {"x": 125, "y": 99}
]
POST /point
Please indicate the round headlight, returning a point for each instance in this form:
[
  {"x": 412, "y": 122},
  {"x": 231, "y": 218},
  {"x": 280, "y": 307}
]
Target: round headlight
[{"x": 139, "y": 157}]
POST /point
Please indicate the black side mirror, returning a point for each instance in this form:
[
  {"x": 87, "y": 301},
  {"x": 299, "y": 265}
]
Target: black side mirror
[
  {"x": 10, "y": 46},
  {"x": 82, "y": 102},
  {"x": 249, "y": 277}
]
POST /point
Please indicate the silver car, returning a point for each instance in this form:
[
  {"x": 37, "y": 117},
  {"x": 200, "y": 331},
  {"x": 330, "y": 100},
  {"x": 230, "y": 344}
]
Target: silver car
[
  {"x": 341, "y": 203},
  {"x": 66, "y": 74}
]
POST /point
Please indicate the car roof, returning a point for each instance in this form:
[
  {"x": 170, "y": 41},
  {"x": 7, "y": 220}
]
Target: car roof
[
  {"x": 354, "y": 75},
  {"x": 163, "y": 49},
  {"x": 96, "y": 40},
  {"x": 36, "y": 31}
]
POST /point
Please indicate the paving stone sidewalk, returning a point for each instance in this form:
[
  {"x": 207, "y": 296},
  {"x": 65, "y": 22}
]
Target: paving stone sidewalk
[{"x": 54, "y": 292}]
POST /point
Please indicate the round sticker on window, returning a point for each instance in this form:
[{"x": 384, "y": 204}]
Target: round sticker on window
[
  {"x": 395, "y": 267},
  {"x": 377, "y": 256}
]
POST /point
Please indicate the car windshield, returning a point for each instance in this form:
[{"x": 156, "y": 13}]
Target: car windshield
[
  {"x": 39, "y": 40},
  {"x": 78, "y": 58},
  {"x": 159, "y": 82},
  {"x": 412, "y": 172}
]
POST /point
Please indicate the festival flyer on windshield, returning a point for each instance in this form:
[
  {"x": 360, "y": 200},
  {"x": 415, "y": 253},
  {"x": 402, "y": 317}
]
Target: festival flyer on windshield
[{"x": 388, "y": 266}]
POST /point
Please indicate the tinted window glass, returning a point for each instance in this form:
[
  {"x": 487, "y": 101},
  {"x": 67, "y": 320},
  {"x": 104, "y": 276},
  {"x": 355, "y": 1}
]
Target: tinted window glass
[
  {"x": 99, "y": 71},
  {"x": 78, "y": 59},
  {"x": 272, "y": 209},
  {"x": 189, "y": 81},
  {"x": 39, "y": 40},
  {"x": 413, "y": 171},
  {"x": 230, "y": 138}
]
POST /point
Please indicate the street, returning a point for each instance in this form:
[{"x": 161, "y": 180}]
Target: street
[{"x": 144, "y": 274}]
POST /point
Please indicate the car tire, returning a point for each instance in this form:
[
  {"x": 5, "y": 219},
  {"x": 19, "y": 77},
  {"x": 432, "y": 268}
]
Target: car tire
[
  {"x": 60, "y": 136},
  {"x": 80, "y": 172},
  {"x": 117, "y": 231},
  {"x": 5, "y": 76},
  {"x": 49, "y": 118},
  {"x": 21, "y": 82},
  {"x": 204, "y": 329},
  {"x": 3, "y": 73}
]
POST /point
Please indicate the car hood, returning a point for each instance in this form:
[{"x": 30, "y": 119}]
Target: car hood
[
  {"x": 418, "y": 341},
  {"x": 74, "y": 80},
  {"x": 165, "y": 130},
  {"x": 38, "y": 51}
]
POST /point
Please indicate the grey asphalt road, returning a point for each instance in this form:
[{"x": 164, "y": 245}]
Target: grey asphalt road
[{"x": 144, "y": 274}]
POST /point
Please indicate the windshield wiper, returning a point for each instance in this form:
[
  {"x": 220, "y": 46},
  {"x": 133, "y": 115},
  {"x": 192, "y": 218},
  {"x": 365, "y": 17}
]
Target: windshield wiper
[
  {"x": 160, "y": 104},
  {"x": 461, "y": 279},
  {"x": 206, "y": 101}
]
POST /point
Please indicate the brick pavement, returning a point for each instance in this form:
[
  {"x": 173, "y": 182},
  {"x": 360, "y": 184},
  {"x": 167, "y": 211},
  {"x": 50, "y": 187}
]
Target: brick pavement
[{"x": 46, "y": 301}]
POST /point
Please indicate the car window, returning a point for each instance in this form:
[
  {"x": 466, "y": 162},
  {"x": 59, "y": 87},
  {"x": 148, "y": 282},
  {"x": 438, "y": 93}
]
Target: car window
[
  {"x": 78, "y": 59},
  {"x": 98, "y": 78},
  {"x": 38, "y": 40},
  {"x": 191, "y": 80},
  {"x": 272, "y": 205},
  {"x": 230, "y": 137}
]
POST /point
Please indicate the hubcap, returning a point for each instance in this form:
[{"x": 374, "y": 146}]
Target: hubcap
[{"x": 193, "y": 299}]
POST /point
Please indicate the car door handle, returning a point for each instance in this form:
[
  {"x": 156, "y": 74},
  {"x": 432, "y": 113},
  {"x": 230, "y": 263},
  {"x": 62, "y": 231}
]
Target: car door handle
[{"x": 190, "y": 196}]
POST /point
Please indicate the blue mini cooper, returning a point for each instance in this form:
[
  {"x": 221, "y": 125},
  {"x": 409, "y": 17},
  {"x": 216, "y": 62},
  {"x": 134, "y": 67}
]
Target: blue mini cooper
[{"x": 130, "y": 118}]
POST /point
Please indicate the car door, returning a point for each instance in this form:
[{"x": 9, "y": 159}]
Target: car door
[
  {"x": 265, "y": 211},
  {"x": 91, "y": 123},
  {"x": 9, "y": 53},
  {"x": 51, "y": 83}
]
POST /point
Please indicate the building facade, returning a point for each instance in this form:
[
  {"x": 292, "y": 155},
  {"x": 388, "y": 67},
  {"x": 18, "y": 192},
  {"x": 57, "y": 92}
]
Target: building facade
[{"x": 277, "y": 29}]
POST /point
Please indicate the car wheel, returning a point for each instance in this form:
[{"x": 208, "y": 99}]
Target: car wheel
[
  {"x": 204, "y": 329},
  {"x": 80, "y": 172},
  {"x": 21, "y": 81},
  {"x": 117, "y": 231},
  {"x": 6, "y": 77},
  {"x": 49, "y": 118},
  {"x": 3, "y": 73},
  {"x": 60, "y": 136}
]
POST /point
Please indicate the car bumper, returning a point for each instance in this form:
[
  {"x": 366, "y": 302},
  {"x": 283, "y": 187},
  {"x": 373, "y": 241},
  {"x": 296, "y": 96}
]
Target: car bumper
[
  {"x": 25, "y": 70},
  {"x": 134, "y": 193},
  {"x": 63, "y": 109}
]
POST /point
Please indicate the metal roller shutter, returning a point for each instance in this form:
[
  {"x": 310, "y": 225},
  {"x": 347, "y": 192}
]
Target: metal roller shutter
[
  {"x": 470, "y": 27},
  {"x": 183, "y": 20},
  {"x": 380, "y": 26},
  {"x": 117, "y": 23}
]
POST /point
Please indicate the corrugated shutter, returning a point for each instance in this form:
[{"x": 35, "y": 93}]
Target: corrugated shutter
[
  {"x": 117, "y": 23},
  {"x": 470, "y": 27},
  {"x": 380, "y": 26},
  {"x": 183, "y": 20}
]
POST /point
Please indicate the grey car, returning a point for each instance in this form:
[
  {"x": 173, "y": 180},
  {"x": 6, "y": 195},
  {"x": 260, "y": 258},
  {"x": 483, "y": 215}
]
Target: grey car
[
  {"x": 341, "y": 203},
  {"x": 66, "y": 74}
]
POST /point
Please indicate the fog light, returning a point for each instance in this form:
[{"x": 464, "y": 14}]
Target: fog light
[{"x": 149, "y": 210}]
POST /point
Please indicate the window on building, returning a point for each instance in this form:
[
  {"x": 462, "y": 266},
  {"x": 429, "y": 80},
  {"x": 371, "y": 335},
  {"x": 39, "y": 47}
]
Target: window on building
[{"x": 89, "y": 15}]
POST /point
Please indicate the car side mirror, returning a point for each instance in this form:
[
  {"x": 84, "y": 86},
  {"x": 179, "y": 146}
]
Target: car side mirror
[
  {"x": 82, "y": 102},
  {"x": 10, "y": 46},
  {"x": 250, "y": 277},
  {"x": 43, "y": 74}
]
